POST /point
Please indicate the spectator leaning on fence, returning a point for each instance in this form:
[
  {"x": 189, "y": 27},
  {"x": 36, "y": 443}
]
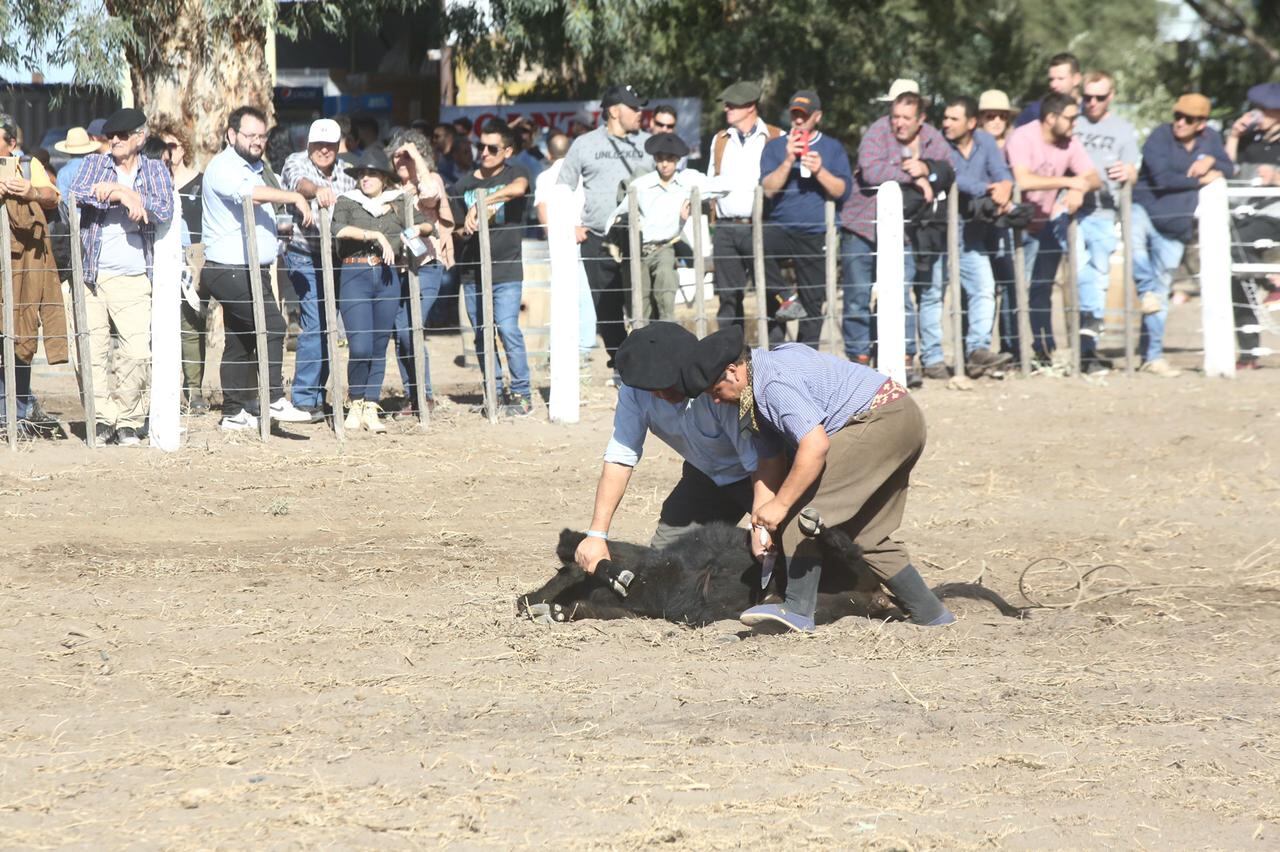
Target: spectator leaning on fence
[
  {"x": 1046, "y": 160},
  {"x": 986, "y": 188},
  {"x": 557, "y": 147},
  {"x": 318, "y": 175},
  {"x": 1112, "y": 145},
  {"x": 1253, "y": 142},
  {"x": 606, "y": 160},
  {"x": 1177, "y": 160},
  {"x": 194, "y": 319},
  {"x": 368, "y": 223},
  {"x": 123, "y": 197},
  {"x": 508, "y": 188},
  {"x": 735, "y": 161},
  {"x": 1063, "y": 78},
  {"x": 719, "y": 456},
  {"x": 237, "y": 173},
  {"x": 662, "y": 198},
  {"x": 411, "y": 158},
  {"x": 28, "y": 193},
  {"x": 800, "y": 173},
  {"x": 895, "y": 148}
]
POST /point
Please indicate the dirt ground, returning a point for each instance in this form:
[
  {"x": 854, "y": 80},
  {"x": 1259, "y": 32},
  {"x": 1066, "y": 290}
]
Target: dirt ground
[{"x": 304, "y": 645}]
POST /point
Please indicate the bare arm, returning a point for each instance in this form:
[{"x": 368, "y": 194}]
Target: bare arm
[
  {"x": 811, "y": 457},
  {"x": 609, "y": 492},
  {"x": 1029, "y": 180}
]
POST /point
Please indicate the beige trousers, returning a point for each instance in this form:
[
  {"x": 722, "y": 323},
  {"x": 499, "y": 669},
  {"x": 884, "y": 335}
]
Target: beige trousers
[{"x": 121, "y": 379}]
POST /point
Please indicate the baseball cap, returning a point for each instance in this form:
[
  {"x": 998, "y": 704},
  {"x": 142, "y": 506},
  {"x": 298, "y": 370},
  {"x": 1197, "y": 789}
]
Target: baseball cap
[
  {"x": 324, "y": 130},
  {"x": 95, "y": 127},
  {"x": 741, "y": 93},
  {"x": 126, "y": 120},
  {"x": 1195, "y": 105},
  {"x": 900, "y": 87},
  {"x": 1265, "y": 95},
  {"x": 805, "y": 100},
  {"x": 994, "y": 100},
  {"x": 625, "y": 95}
]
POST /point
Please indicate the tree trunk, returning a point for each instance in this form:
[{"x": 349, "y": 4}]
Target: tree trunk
[{"x": 195, "y": 66}]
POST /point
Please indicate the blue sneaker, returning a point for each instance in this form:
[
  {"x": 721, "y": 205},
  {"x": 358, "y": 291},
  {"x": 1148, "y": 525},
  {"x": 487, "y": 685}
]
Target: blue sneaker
[{"x": 779, "y": 614}]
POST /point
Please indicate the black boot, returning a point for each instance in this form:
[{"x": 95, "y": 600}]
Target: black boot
[{"x": 916, "y": 599}]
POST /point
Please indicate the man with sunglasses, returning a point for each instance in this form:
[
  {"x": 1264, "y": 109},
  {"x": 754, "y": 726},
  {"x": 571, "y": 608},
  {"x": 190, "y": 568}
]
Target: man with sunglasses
[
  {"x": 1112, "y": 145},
  {"x": 122, "y": 197},
  {"x": 1177, "y": 159},
  {"x": 1055, "y": 172}
]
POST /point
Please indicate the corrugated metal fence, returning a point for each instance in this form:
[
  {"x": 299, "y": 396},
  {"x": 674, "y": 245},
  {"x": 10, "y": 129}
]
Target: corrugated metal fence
[{"x": 39, "y": 108}]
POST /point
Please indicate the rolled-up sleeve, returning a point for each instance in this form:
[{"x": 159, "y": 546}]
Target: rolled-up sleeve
[{"x": 626, "y": 445}]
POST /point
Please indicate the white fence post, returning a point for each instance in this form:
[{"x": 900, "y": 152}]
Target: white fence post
[
  {"x": 890, "y": 281},
  {"x": 565, "y": 403},
  {"x": 1215, "y": 281}
]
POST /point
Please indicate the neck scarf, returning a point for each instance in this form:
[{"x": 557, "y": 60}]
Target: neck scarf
[
  {"x": 378, "y": 205},
  {"x": 747, "y": 405}
]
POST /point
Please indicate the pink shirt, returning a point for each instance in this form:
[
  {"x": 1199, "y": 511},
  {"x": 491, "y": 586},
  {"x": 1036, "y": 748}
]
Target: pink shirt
[{"x": 1027, "y": 148}]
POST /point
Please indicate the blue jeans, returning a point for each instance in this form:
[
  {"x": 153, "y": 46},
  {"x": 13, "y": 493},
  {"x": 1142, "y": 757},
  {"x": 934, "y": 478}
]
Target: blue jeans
[
  {"x": 857, "y": 274},
  {"x": 22, "y": 385},
  {"x": 1097, "y": 244},
  {"x": 1155, "y": 257},
  {"x": 369, "y": 298},
  {"x": 1042, "y": 254},
  {"x": 506, "y": 309},
  {"x": 429, "y": 277},
  {"x": 979, "y": 285},
  {"x": 311, "y": 367}
]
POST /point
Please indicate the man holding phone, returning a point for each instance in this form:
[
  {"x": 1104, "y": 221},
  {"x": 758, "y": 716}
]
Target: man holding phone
[{"x": 800, "y": 172}]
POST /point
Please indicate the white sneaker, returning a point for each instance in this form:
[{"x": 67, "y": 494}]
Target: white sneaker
[
  {"x": 1151, "y": 303},
  {"x": 283, "y": 411},
  {"x": 355, "y": 416},
  {"x": 239, "y": 423},
  {"x": 371, "y": 417},
  {"x": 1161, "y": 367}
]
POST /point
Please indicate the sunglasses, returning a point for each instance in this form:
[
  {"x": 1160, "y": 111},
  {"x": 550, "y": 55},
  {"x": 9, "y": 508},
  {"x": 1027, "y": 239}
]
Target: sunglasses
[
  {"x": 173, "y": 146},
  {"x": 993, "y": 116},
  {"x": 491, "y": 149},
  {"x": 1097, "y": 98},
  {"x": 1188, "y": 119},
  {"x": 122, "y": 134},
  {"x": 664, "y": 126}
]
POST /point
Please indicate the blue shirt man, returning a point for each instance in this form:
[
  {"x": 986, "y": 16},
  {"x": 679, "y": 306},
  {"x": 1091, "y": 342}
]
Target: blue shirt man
[
  {"x": 800, "y": 172},
  {"x": 719, "y": 457},
  {"x": 982, "y": 177}
]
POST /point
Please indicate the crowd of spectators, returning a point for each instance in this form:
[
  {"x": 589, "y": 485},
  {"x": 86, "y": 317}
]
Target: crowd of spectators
[{"x": 406, "y": 203}]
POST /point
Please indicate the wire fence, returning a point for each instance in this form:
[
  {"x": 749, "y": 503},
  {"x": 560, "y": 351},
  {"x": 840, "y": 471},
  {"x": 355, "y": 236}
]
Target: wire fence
[{"x": 891, "y": 300}]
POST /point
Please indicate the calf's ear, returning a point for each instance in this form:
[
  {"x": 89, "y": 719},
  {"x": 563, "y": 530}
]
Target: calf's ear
[{"x": 568, "y": 546}]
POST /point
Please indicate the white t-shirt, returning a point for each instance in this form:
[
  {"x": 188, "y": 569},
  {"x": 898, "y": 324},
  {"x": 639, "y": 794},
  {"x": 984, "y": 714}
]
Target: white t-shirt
[
  {"x": 121, "y": 252},
  {"x": 547, "y": 179}
]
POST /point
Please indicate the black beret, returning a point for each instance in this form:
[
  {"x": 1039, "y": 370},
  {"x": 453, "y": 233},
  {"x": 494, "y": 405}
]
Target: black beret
[
  {"x": 666, "y": 143},
  {"x": 710, "y": 356},
  {"x": 651, "y": 357},
  {"x": 126, "y": 120}
]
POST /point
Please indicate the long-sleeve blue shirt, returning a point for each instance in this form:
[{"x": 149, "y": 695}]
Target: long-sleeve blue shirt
[
  {"x": 1163, "y": 188},
  {"x": 985, "y": 165}
]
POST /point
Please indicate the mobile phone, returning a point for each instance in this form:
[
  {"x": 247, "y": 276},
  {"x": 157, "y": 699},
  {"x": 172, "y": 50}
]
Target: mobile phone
[{"x": 804, "y": 149}]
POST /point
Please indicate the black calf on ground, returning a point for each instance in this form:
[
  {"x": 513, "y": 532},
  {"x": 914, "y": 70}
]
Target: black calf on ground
[{"x": 709, "y": 575}]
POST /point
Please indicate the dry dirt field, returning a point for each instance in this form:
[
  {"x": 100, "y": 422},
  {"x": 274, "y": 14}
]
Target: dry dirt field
[{"x": 304, "y": 645}]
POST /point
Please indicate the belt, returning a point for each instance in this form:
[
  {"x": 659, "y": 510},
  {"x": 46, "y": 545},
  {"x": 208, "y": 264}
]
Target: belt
[
  {"x": 362, "y": 260},
  {"x": 735, "y": 220},
  {"x": 888, "y": 392}
]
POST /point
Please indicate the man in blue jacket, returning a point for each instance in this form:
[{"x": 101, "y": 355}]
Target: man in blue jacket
[{"x": 1177, "y": 159}]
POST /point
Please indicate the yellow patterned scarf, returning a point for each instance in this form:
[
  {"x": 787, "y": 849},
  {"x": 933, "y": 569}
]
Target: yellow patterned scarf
[{"x": 747, "y": 405}]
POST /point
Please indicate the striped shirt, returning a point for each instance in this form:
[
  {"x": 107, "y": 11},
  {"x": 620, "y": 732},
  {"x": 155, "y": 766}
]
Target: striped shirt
[
  {"x": 297, "y": 168},
  {"x": 797, "y": 388},
  {"x": 153, "y": 183},
  {"x": 880, "y": 158}
]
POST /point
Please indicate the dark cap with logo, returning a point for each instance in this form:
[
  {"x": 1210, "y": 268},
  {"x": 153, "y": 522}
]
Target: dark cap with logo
[
  {"x": 741, "y": 93},
  {"x": 625, "y": 95},
  {"x": 805, "y": 100},
  {"x": 126, "y": 120}
]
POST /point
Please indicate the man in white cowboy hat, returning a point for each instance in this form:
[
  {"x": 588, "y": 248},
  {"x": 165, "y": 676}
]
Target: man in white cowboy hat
[{"x": 77, "y": 145}]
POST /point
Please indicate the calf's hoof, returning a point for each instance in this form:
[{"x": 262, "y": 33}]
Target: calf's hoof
[{"x": 547, "y": 613}]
